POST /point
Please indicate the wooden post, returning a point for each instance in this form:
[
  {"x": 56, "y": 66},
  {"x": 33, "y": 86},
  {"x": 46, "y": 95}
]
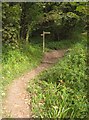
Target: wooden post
[{"x": 44, "y": 39}]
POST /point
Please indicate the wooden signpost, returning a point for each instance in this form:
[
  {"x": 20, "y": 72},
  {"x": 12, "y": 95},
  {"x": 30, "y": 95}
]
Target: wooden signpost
[{"x": 44, "y": 33}]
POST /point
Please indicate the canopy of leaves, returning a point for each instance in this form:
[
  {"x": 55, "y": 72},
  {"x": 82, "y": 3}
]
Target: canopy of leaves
[{"x": 21, "y": 20}]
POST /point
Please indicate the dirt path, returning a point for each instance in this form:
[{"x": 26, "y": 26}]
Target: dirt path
[{"x": 16, "y": 103}]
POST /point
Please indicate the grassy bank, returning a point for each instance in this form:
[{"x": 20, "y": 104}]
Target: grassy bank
[
  {"x": 17, "y": 60},
  {"x": 61, "y": 92}
]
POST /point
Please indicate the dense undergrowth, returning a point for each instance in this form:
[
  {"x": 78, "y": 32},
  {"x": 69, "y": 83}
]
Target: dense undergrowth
[
  {"x": 51, "y": 44},
  {"x": 17, "y": 60},
  {"x": 61, "y": 92}
]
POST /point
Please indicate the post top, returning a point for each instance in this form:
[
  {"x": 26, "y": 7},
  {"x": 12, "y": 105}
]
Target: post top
[{"x": 45, "y": 33}]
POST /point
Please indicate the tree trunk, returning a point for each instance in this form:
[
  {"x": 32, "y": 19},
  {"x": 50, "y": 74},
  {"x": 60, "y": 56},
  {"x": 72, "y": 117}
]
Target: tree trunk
[
  {"x": 23, "y": 21},
  {"x": 27, "y": 35}
]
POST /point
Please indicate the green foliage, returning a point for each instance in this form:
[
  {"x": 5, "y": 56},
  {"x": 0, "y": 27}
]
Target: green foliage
[
  {"x": 61, "y": 92},
  {"x": 51, "y": 44},
  {"x": 62, "y": 19},
  {"x": 30, "y": 15},
  {"x": 63, "y": 44},
  {"x": 23, "y": 19},
  {"x": 18, "y": 60},
  {"x": 10, "y": 25}
]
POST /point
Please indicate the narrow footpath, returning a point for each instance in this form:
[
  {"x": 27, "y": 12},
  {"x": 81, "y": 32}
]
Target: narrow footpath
[{"x": 16, "y": 103}]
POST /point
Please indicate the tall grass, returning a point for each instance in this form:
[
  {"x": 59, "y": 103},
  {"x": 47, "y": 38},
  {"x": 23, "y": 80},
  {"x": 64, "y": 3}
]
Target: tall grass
[
  {"x": 61, "y": 92},
  {"x": 16, "y": 61}
]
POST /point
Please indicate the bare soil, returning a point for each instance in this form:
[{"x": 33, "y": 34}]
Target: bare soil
[{"x": 16, "y": 103}]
